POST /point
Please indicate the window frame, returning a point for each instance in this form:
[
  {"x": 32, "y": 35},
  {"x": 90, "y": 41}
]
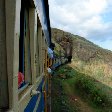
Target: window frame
[
  {"x": 38, "y": 49},
  {"x": 24, "y": 47}
]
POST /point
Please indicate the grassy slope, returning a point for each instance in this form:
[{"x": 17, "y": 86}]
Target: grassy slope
[
  {"x": 60, "y": 100},
  {"x": 77, "y": 92},
  {"x": 83, "y": 49},
  {"x": 92, "y": 81}
]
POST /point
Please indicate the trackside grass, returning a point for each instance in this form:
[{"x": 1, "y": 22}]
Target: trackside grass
[{"x": 69, "y": 84}]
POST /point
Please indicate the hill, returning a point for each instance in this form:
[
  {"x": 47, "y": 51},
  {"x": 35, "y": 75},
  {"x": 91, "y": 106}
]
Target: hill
[
  {"x": 87, "y": 57},
  {"x": 85, "y": 84},
  {"x": 81, "y": 47}
]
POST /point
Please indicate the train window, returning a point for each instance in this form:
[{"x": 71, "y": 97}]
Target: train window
[
  {"x": 51, "y": 61},
  {"x": 39, "y": 49},
  {"x": 43, "y": 52},
  {"x": 24, "y": 75},
  {"x": 55, "y": 60},
  {"x": 47, "y": 61}
]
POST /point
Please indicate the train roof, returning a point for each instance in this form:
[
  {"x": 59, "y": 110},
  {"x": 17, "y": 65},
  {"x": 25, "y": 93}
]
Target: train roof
[{"x": 43, "y": 11}]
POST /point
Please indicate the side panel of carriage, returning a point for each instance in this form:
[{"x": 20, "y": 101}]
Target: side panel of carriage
[{"x": 24, "y": 39}]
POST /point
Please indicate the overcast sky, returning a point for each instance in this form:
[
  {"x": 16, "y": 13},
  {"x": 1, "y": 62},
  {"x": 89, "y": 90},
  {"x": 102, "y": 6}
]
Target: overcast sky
[{"x": 91, "y": 19}]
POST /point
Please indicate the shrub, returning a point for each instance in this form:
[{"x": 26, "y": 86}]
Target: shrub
[{"x": 88, "y": 89}]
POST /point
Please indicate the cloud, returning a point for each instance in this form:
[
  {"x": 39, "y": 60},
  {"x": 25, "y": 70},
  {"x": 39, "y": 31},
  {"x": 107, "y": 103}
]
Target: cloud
[{"x": 86, "y": 17}]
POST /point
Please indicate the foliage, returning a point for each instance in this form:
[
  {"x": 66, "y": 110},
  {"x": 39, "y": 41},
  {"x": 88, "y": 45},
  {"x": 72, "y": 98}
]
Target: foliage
[
  {"x": 99, "y": 70},
  {"x": 60, "y": 101},
  {"x": 90, "y": 74},
  {"x": 90, "y": 89}
]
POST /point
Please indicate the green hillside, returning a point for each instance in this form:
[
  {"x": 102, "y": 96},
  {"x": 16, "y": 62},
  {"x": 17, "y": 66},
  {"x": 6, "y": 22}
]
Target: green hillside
[
  {"x": 87, "y": 57},
  {"x": 85, "y": 84},
  {"x": 82, "y": 48}
]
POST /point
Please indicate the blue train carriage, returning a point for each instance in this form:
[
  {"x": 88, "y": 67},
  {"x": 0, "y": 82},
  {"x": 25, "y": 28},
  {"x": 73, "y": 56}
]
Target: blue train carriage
[{"x": 24, "y": 38}]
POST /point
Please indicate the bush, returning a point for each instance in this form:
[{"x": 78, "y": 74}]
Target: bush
[{"x": 88, "y": 89}]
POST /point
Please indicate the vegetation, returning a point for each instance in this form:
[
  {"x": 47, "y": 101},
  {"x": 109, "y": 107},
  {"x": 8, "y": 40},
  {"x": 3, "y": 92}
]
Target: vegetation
[
  {"x": 87, "y": 81},
  {"x": 88, "y": 58},
  {"x": 83, "y": 49},
  {"x": 96, "y": 95},
  {"x": 60, "y": 100},
  {"x": 99, "y": 70}
]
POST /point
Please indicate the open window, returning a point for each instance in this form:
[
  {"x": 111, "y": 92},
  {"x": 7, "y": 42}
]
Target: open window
[{"x": 24, "y": 75}]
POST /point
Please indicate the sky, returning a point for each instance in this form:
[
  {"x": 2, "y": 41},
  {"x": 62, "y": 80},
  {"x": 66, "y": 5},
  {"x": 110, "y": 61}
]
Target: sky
[{"x": 91, "y": 19}]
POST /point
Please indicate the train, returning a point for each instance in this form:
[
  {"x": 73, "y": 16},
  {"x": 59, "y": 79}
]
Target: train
[{"x": 26, "y": 56}]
